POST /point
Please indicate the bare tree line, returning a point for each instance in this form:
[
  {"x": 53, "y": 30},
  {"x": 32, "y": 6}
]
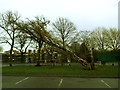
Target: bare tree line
[{"x": 20, "y": 34}]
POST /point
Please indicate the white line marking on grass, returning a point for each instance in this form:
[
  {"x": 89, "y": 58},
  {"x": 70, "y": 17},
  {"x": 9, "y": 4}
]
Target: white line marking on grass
[
  {"x": 21, "y": 80},
  {"x": 105, "y": 83},
  {"x": 60, "y": 83}
]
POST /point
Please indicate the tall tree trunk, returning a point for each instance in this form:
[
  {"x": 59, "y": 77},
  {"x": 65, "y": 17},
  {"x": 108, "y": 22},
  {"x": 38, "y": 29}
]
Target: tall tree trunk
[
  {"x": 40, "y": 45},
  {"x": 22, "y": 58},
  {"x": 38, "y": 61},
  {"x": 62, "y": 57},
  {"x": 92, "y": 64},
  {"x": 10, "y": 60}
]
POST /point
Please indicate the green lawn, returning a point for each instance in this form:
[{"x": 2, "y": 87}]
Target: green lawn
[{"x": 75, "y": 70}]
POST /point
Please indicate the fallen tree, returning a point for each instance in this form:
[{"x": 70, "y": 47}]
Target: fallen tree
[{"x": 36, "y": 30}]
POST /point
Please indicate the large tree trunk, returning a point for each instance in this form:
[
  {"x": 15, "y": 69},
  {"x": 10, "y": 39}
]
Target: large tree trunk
[
  {"x": 92, "y": 64},
  {"x": 38, "y": 61},
  {"x": 12, "y": 45},
  {"x": 40, "y": 45},
  {"x": 10, "y": 60},
  {"x": 22, "y": 57},
  {"x": 63, "y": 55}
]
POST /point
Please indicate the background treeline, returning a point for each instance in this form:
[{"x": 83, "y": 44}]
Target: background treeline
[{"x": 60, "y": 36}]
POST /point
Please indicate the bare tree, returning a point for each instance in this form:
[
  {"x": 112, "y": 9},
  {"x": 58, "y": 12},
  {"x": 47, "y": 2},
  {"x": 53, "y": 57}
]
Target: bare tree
[
  {"x": 65, "y": 30},
  {"x": 22, "y": 42},
  {"x": 8, "y": 21},
  {"x": 106, "y": 38},
  {"x": 84, "y": 37},
  {"x": 98, "y": 38},
  {"x": 36, "y": 31},
  {"x": 103, "y": 39},
  {"x": 112, "y": 37},
  {"x": 98, "y": 41}
]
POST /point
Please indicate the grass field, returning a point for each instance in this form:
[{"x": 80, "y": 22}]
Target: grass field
[{"x": 75, "y": 70}]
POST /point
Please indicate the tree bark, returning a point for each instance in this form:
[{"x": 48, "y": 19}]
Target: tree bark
[
  {"x": 40, "y": 45},
  {"x": 22, "y": 58},
  {"x": 10, "y": 62},
  {"x": 92, "y": 64}
]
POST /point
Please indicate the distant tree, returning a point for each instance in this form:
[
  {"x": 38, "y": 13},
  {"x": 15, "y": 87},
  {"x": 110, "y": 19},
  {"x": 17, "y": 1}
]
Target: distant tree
[
  {"x": 8, "y": 24},
  {"x": 99, "y": 38},
  {"x": 22, "y": 42},
  {"x": 103, "y": 39},
  {"x": 75, "y": 47},
  {"x": 112, "y": 37},
  {"x": 83, "y": 51},
  {"x": 84, "y": 37},
  {"x": 65, "y": 30},
  {"x": 106, "y": 38}
]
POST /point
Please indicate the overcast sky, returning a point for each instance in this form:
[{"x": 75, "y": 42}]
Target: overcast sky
[{"x": 85, "y": 14}]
